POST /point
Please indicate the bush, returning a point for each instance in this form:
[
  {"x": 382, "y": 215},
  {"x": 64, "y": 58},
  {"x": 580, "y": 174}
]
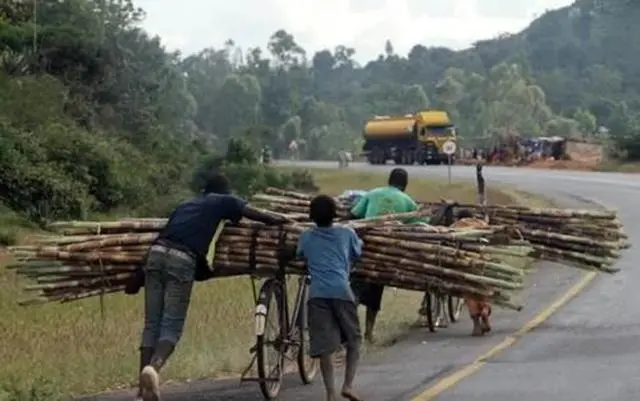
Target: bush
[
  {"x": 31, "y": 184},
  {"x": 50, "y": 168},
  {"x": 301, "y": 180},
  {"x": 246, "y": 175}
]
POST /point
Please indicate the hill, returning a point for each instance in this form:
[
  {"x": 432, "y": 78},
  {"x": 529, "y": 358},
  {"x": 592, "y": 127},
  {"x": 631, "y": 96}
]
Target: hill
[
  {"x": 96, "y": 116},
  {"x": 583, "y": 56}
]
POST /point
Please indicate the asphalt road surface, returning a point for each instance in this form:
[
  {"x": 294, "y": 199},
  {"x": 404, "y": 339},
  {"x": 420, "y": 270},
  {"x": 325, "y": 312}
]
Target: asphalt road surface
[{"x": 588, "y": 350}]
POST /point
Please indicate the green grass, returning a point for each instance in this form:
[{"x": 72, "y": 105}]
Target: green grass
[
  {"x": 59, "y": 350},
  {"x": 13, "y": 226},
  {"x": 613, "y": 166}
]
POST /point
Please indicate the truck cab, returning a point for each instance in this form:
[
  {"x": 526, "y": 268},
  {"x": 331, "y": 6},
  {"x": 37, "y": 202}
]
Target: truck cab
[{"x": 434, "y": 130}]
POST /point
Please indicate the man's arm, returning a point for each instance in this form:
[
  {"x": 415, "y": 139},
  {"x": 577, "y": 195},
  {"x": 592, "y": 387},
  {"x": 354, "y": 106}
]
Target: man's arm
[
  {"x": 412, "y": 206},
  {"x": 355, "y": 245},
  {"x": 253, "y": 213},
  {"x": 360, "y": 208},
  {"x": 300, "y": 247},
  {"x": 236, "y": 208}
]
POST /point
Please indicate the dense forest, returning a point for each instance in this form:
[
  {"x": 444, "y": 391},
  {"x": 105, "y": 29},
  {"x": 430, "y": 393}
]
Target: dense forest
[{"x": 96, "y": 115}]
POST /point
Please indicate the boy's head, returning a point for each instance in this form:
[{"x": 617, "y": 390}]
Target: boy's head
[
  {"x": 399, "y": 178},
  {"x": 323, "y": 210},
  {"x": 217, "y": 184}
]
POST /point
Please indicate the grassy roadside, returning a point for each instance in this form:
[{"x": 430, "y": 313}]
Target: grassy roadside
[
  {"x": 13, "y": 226},
  {"x": 57, "y": 350},
  {"x": 617, "y": 167}
]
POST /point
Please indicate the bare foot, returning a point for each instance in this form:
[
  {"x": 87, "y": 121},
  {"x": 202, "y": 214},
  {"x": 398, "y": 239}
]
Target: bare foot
[
  {"x": 484, "y": 323},
  {"x": 350, "y": 395},
  {"x": 477, "y": 328},
  {"x": 150, "y": 384}
]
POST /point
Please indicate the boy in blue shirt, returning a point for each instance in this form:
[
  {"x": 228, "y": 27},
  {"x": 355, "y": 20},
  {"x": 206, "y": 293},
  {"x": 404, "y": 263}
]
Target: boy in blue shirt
[{"x": 333, "y": 318}]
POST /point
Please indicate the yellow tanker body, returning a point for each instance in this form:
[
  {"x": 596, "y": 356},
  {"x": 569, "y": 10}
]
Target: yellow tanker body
[
  {"x": 408, "y": 139},
  {"x": 389, "y": 127}
]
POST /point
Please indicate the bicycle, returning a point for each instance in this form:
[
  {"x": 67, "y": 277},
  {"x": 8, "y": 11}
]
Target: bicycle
[
  {"x": 291, "y": 336},
  {"x": 437, "y": 307},
  {"x": 434, "y": 303}
]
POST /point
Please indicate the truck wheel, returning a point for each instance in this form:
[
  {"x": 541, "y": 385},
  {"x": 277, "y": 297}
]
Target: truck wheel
[
  {"x": 408, "y": 157},
  {"x": 403, "y": 157},
  {"x": 375, "y": 156}
]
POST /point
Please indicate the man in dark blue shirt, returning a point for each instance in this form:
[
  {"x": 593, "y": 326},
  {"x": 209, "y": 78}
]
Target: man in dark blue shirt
[{"x": 173, "y": 262}]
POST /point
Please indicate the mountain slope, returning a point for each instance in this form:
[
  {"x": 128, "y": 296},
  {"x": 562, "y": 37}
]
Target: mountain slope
[{"x": 582, "y": 55}]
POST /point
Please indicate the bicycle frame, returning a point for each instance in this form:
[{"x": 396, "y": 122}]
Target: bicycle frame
[{"x": 289, "y": 320}]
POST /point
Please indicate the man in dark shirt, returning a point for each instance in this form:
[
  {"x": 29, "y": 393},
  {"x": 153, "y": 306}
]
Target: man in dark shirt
[{"x": 170, "y": 270}]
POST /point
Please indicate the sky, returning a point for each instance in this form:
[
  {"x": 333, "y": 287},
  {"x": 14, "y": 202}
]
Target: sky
[{"x": 365, "y": 25}]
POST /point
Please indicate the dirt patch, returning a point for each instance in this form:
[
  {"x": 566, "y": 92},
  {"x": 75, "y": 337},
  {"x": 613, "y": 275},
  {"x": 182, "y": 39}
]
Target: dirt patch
[
  {"x": 579, "y": 165},
  {"x": 588, "y": 152},
  {"x": 583, "y": 157}
]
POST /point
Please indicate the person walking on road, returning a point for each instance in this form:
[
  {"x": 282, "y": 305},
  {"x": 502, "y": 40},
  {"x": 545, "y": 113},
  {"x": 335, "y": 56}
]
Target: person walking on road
[
  {"x": 377, "y": 202},
  {"x": 332, "y": 311},
  {"x": 174, "y": 261}
]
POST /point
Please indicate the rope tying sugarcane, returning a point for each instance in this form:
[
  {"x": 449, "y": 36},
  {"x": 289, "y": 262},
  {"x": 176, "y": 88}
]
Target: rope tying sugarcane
[{"x": 103, "y": 279}]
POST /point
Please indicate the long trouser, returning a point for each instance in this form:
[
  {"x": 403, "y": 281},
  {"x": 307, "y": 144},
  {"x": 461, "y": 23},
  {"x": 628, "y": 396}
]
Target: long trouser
[{"x": 169, "y": 276}]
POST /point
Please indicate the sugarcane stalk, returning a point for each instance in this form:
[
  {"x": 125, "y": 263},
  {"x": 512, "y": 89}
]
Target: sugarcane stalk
[{"x": 436, "y": 270}]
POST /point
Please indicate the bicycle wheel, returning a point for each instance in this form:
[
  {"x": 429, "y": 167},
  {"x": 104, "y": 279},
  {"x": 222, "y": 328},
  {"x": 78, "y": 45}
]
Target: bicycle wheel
[
  {"x": 307, "y": 366},
  {"x": 428, "y": 302},
  {"x": 438, "y": 312},
  {"x": 269, "y": 335},
  {"x": 454, "y": 306}
]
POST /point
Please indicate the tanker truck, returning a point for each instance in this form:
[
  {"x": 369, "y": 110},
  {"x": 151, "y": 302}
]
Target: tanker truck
[{"x": 412, "y": 138}]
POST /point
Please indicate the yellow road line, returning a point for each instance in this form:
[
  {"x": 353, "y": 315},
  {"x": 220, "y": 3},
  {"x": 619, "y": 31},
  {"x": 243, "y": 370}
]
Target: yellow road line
[{"x": 454, "y": 378}]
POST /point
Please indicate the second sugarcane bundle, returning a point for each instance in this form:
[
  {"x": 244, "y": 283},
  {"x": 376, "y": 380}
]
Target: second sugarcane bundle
[
  {"x": 588, "y": 239},
  {"x": 91, "y": 259}
]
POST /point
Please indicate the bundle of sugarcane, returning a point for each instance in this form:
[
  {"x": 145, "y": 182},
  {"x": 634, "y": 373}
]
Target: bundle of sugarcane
[
  {"x": 586, "y": 239},
  {"x": 284, "y": 201},
  {"x": 590, "y": 239},
  {"x": 91, "y": 258}
]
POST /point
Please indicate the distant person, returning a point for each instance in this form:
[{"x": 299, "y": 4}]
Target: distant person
[
  {"x": 332, "y": 311},
  {"x": 174, "y": 260},
  {"x": 377, "y": 202}
]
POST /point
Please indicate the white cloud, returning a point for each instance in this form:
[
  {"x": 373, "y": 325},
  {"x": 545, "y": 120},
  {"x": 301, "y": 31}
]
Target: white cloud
[{"x": 190, "y": 25}]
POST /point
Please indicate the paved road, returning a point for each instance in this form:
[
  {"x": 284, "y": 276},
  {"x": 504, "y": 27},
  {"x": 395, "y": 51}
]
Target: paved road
[{"x": 586, "y": 351}]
